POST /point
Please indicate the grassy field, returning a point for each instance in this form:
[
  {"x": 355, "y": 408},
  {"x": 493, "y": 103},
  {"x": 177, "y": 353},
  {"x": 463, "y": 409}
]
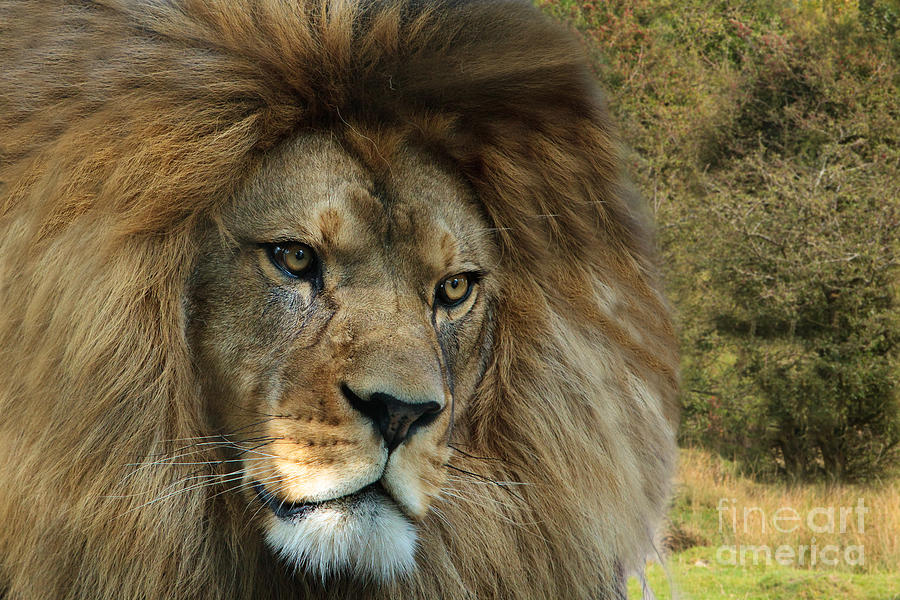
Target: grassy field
[
  {"x": 714, "y": 505},
  {"x": 696, "y": 575},
  {"x": 707, "y": 520}
]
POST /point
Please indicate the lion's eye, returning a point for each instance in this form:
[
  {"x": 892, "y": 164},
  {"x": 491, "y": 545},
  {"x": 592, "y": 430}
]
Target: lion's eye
[
  {"x": 293, "y": 258},
  {"x": 454, "y": 290}
]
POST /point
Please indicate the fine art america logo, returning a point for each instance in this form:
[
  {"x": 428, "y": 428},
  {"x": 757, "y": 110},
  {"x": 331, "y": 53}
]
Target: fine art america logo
[{"x": 821, "y": 520}]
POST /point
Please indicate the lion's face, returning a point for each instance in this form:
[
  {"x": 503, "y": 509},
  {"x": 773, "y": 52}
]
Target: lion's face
[{"x": 337, "y": 325}]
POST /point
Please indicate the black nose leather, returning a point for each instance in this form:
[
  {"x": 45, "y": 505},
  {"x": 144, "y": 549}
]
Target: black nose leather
[{"x": 395, "y": 419}]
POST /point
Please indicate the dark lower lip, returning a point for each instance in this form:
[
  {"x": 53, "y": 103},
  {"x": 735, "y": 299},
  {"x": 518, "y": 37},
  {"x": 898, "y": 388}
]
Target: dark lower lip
[{"x": 289, "y": 510}]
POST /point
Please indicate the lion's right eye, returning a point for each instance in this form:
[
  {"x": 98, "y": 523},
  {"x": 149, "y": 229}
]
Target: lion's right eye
[
  {"x": 454, "y": 290},
  {"x": 294, "y": 258}
]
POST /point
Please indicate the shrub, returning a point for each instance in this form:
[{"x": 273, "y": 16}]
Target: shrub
[{"x": 767, "y": 137}]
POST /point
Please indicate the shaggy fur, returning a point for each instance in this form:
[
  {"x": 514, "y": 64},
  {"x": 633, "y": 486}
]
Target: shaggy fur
[{"x": 125, "y": 126}]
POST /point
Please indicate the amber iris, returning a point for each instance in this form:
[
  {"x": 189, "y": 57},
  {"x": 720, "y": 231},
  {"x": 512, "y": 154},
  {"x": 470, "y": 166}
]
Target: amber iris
[
  {"x": 454, "y": 290},
  {"x": 294, "y": 258}
]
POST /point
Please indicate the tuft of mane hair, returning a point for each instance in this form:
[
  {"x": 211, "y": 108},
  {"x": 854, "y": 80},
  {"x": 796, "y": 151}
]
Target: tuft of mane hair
[{"x": 125, "y": 124}]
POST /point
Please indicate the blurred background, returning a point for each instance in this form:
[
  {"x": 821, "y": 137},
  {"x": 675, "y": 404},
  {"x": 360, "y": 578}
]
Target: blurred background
[{"x": 765, "y": 136}]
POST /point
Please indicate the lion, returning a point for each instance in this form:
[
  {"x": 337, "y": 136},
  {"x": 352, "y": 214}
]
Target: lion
[{"x": 321, "y": 299}]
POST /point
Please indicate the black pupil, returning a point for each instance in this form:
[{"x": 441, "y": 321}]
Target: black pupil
[
  {"x": 454, "y": 283},
  {"x": 298, "y": 255}
]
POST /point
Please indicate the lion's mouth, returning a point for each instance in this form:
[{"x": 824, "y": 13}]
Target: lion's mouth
[
  {"x": 363, "y": 532},
  {"x": 297, "y": 510}
]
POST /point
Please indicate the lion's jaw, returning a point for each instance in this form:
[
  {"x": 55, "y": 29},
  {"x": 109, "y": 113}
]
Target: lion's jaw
[
  {"x": 366, "y": 535},
  {"x": 292, "y": 366}
]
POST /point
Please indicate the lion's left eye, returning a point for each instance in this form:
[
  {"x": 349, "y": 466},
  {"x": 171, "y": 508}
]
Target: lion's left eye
[
  {"x": 454, "y": 289},
  {"x": 293, "y": 258}
]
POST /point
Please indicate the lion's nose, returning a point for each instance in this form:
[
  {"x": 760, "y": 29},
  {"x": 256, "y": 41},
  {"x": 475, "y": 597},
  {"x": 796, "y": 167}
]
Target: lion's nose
[{"x": 395, "y": 419}]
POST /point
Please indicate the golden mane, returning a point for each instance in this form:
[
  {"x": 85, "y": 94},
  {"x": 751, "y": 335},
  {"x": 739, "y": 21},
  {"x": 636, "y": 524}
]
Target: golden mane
[{"x": 123, "y": 125}]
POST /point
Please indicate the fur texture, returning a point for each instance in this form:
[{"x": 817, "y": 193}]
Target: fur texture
[{"x": 126, "y": 127}]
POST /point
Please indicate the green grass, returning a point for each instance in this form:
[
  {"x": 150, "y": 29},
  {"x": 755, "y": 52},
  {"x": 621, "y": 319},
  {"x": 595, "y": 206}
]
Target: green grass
[
  {"x": 697, "y": 575},
  {"x": 695, "y": 535},
  {"x": 705, "y": 480}
]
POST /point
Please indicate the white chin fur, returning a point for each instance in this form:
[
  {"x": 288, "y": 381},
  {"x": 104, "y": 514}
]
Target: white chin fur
[{"x": 372, "y": 540}]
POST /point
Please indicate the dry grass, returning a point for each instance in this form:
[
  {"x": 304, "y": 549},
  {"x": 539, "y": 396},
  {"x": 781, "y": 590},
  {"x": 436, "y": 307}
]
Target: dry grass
[{"x": 716, "y": 506}]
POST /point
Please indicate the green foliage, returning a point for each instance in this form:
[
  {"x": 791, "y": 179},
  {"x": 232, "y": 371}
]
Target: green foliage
[
  {"x": 881, "y": 17},
  {"x": 767, "y": 136},
  {"x": 801, "y": 292}
]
